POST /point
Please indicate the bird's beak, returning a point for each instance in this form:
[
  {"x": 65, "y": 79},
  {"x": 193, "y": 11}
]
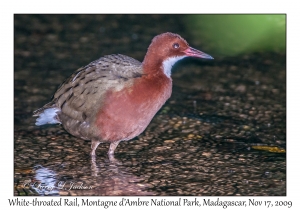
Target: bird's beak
[{"x": 196, "y": 53}]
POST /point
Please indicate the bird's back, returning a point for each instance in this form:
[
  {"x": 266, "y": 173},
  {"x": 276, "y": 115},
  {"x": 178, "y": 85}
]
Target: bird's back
[{"x": 78, "y": 99}]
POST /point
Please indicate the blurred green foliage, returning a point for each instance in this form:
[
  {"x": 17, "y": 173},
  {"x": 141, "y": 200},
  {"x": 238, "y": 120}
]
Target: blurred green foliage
[{"x": 230, "y": 35}]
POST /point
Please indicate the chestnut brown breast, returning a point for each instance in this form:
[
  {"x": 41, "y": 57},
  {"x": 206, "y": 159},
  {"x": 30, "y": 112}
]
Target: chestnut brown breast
[{"x": 127, "y": 112}]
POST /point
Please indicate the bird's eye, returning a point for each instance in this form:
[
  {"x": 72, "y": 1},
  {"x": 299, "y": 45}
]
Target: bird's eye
[{"x": 175, "y": 45}]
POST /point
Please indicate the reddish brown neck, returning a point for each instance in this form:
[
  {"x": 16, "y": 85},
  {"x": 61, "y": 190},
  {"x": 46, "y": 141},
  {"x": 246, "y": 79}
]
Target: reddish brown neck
[{"x": 152, "y": 63}]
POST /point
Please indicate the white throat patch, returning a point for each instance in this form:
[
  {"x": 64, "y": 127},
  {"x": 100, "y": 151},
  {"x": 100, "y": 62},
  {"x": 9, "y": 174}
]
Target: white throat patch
[{"x": 167, "y": 64}]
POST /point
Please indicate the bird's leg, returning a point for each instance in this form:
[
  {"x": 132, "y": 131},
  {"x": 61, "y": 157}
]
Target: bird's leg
[
  {"x": 111, "y": 151},
  {"x": 112, "y": 148},
  {"x": 94, "y": 167},
  {"x": 94, "y": 146}
]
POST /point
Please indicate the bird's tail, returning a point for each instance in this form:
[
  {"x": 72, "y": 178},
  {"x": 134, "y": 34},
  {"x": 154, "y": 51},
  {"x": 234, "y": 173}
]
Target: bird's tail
[{"x": 47, "y": 114}]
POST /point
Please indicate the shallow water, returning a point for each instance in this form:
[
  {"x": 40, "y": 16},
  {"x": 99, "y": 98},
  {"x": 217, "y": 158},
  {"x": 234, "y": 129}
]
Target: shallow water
[{"x": 207, "y": 140}]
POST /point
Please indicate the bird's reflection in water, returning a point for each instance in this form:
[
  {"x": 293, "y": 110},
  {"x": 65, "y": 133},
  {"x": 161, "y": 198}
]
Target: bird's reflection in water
[
  {"x": 113, "y": 179},
  {"x": 111, "y": 165},
  {"x": 107, "y": 177},
  {"x": 44, "y": 181}
]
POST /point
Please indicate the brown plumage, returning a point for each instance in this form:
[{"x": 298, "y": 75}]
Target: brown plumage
[{"x": 115, "y": 97}]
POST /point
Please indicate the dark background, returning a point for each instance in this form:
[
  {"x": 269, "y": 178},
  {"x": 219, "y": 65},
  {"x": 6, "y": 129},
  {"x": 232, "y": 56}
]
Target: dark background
[{"x": 223, "y": 132}]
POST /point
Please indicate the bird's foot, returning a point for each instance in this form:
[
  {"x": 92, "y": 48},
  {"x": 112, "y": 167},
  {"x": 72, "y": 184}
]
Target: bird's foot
[
  {"x": 113, "y": 160},
  {"x": 111, "y": 152}
]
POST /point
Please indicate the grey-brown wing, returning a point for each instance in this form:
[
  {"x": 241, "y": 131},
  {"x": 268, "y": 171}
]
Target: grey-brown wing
[{"x": 81, "y": 94}]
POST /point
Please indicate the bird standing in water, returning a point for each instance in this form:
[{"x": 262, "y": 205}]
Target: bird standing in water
[{"x": 114, "y": 98}]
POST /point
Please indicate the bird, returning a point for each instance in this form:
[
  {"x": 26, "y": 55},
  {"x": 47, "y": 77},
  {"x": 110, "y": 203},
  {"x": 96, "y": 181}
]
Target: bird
[{"x": 114, "y": 98}]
